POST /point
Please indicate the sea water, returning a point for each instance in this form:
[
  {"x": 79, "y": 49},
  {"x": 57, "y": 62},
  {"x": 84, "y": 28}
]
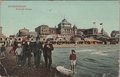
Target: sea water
[{"x": 92, "y": 61}]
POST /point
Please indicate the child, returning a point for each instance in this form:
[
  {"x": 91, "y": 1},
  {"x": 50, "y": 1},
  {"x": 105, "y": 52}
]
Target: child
[
  {"x": 18, "y": 52},
  {"x": 3, "y": 49},
  {"x": 72, "y": 58}
]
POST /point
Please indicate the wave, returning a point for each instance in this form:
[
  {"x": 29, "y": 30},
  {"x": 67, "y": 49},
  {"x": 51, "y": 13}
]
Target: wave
[
  {"x": 90, "y": 60},
  {"x": 104, "y": 66},
  {"x": 100, "y": 53},
  {"x": 86, "y": 50}
]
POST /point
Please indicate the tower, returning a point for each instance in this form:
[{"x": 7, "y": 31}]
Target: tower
[
  {"x": 75, "y": 30},
  {"x": 0, "y": 30},
  {"x": 0, "y": 17}
]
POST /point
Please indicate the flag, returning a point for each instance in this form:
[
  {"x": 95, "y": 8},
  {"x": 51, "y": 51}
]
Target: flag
[{"x": 101, "y": 23}]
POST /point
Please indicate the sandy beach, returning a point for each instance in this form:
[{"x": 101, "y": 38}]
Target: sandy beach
[{"x": 24, "y": 71}]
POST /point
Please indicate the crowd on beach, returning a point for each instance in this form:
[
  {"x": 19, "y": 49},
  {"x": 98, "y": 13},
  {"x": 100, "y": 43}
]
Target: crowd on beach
[{"x": 26, "y": 49}]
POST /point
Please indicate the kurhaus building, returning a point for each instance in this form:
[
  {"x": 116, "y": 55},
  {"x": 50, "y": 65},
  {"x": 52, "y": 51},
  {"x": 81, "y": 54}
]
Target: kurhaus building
[{"x": 64, "y": 29}]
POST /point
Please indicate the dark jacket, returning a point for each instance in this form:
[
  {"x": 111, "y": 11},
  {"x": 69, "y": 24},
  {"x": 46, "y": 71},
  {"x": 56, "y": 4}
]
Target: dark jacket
[
  {"x": 37, "y": 47},
  {"x": 3, "y": 49},
  {"x": 15, "y": 43},
  {"x": 47, "y": 50},
  {"x": 26, "y": 50},
  {"x": 32, "y": 46}
]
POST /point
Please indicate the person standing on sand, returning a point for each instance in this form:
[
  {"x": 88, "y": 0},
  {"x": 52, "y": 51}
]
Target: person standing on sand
[
  {"x": 32, "y": 47},
  {"x": 37, "y": 50},
  {"x": 18, "y": 53},
  {"x": 3, "y": 50},
  {"x": 72, "y": 58},
  {"x": 15, "y": 45},
  {"x": 26, "y": 53},
  {"x": 47, "y": 53}
]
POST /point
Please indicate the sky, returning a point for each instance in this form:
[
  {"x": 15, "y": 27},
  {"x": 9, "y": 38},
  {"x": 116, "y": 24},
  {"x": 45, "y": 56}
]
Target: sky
[{"x": 16, "y": 15}]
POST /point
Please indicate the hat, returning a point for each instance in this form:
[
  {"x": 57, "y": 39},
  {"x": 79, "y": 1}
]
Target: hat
[
  {"x": 19, "y": 45},
  {"x": 32, "y": 40}
]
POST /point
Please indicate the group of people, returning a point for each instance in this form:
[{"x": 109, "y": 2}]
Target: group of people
[{"x": 26, "y": 50}]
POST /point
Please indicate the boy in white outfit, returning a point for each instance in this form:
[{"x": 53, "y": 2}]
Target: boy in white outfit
[{"x": 18, "y": 52}]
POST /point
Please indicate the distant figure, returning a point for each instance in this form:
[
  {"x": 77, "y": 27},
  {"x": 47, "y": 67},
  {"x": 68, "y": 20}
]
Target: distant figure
[
  {"x": 3, "y": 50},
  {"x": 72, "y": 58},
  {"x": 47, "y": 53},
  {"x": 18, "y": 53}
]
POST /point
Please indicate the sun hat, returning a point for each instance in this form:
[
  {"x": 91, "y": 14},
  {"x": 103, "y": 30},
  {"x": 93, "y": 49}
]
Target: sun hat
[{"x": 19, "y": 45}]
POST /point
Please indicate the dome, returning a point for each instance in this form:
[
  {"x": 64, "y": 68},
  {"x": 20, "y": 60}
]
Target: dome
[
  {"x": 44, "y": 25},
  {"x": 24, "y": 29},
  {"x": 74, "y": 27},
  {"x": 23, "y": 32},
  {"x": 65, "y": 22}
]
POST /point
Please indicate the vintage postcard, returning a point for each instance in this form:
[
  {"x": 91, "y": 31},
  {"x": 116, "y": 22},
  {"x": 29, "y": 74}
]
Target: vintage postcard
[{"x": 59, "y": 38}]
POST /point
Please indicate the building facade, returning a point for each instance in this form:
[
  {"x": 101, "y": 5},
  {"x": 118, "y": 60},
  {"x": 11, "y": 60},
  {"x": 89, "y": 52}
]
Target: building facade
[
  {"x": 65, "y": 30},
  {"x": 53, "y": 30},
  {"x": 42, "y": 30},
  {"x": 91, "y": 31},
  {"x": 115, "y": 33}
]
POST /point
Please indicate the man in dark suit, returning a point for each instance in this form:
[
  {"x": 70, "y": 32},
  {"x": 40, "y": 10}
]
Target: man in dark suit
[
  {"x": 37, "y": 52},
  {"x": 47, "y": 53}
]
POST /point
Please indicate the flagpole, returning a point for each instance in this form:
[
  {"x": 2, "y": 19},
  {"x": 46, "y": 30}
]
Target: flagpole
[
  {"x": 101, "y": 24},
  {"x": 94, "y": 26}
]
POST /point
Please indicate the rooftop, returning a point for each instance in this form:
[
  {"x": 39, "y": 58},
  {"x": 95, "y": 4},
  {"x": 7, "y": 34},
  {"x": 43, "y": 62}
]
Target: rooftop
[{"x": 65, "y": 22}]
